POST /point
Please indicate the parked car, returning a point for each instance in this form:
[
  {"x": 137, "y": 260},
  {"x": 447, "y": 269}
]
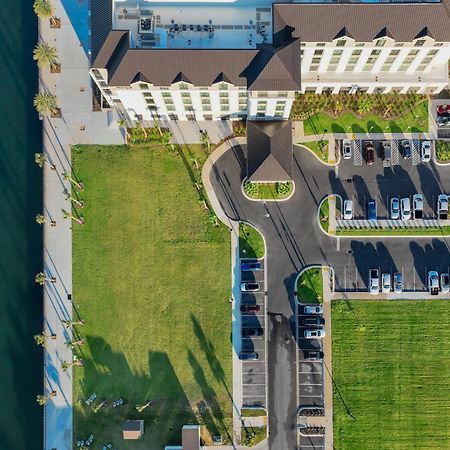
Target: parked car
[
  {"x": 249, "y": 266},
  {"x": 386, "y": 283},
  {"x": 442, "y": 207},
  {"x": 433, "y": 282},
  {"x": 443, "y": 109},
  {"x": 425, "y": 151},
  {"x": 398, "y": 282},
  {"x": 249, "y": 356},
  {"x": 405, "y": 149},
  {"x": 445, "y": 289},
  {"x": 405, "y": 208},
  {"x": 346, "y": 149},
  {"x": 387, "y": 153},
  {"x": 250, "y": 308},
  {"x": 316, "y": 333},
  {"x": 313, "y": 309},
  {"x": 370, "y": 152},
  {"x": 395, "y": 208},
  {"x": 313, "y": 354},
  {"x": 348, "y": 209},
  {"x": 315, "y": 321},
  {"x": 372, "y": 210},
  {"x": 249, "y": 287},
  {"x": 442, "y": 121},
  {"x": 252, "y": 332},
  {"x": 374, "y": 281},
  {"x": 417, "y": 206}
]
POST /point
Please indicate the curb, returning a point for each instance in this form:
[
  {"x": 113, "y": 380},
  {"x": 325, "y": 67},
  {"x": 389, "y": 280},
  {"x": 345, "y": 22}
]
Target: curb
[
  {"x": 303, "y": 145},
  {"x": 304, "y": 269}
]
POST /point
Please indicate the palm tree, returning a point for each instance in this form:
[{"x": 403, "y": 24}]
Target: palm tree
[
  {"x": 43, "y": 399},
  {"x": 387, "y": 109},
  {"x": 194, "y": 161},
  {"x": 213, "y": 219},
  {"x": 72, "y": 344},
  {"x": 76, "y": 362},
  {"x": 78, "y": 184},
  {"x": 141, "y": 408},
  {"x": 40, "y": 159},
  {"x": 46, "y": 56},
  {"x": 41, "y": 278},
  {"x": 73, "y": 199},
  {"x": 123, "y": 124},
  {"x": 140, "y": 127},
  {"x": 364, "y": 106},
  {"x": 337, "y": 107},
  {"x": 43, "y": 9},
  {"x": 205, "y": 140},
  {"x": 46, "y": 103},
  {"x": 40, "y": 339},
  {"x": 69, "y": 215},
  {"x": 165, "y": 140},
  {"x": 40, "y": 219},
  {"x": 69, "y": 323}
]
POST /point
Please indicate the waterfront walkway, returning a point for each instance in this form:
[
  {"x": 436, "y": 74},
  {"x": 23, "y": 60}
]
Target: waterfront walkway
[{"x": 78, "y": 124}]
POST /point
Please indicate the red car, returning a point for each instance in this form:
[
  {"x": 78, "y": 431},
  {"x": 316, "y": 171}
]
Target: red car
[
  {"x": 249, "y": 308},
  {"x": 370, "y": 153},
  {"x": 443, "y": 109}
]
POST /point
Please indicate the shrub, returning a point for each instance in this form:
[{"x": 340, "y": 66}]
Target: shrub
[
  {"x": 443, "y": 151},
  {"x": 283, "y": 189},
  {"x": 251, "y": 189}
]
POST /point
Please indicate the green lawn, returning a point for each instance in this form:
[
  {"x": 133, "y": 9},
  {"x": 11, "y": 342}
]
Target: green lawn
[
  {"x": 268, "y": 191},
  {"x": 310, "y": 286},
  {"x": 253, "y": 435},
  {"x": 324, "y": 215},
  {"x": 319, "y": 148},
  {"x": 253, "y": 412},
  {"x": 151, "y": 279},
  {"x": 416, "y": 120},
  {"x": 425, "y": 231},
  {"x": 391, "y": 370},
  {"x": 251, "y": 244}
]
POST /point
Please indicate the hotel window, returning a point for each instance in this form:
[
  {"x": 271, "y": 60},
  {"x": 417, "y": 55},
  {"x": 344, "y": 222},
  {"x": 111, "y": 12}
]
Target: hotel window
[
  {"x": 280, "y": 106},
  {"x": 353, "y": 60},
  {"x": 170, "y": 108},
  {"x": 168, "y": 101},
  {"x": 166, "y": 94},
  {"x": 205, "y": 101},
  {"x": 143, "y": 86},
  {"x": 419, "y": 43},
  {"x": 438, "y": 44},
  {"x": 389, "y": 60},
  {"x": 204, "y": 94},
  {"x": 380, "y": 42},
  {"x": 223, "y": 95},
  {"x": 261, "y": 106},
  {"x": 318, "y": 52},
  {"x": 185, "y": 95},
  {"x": 341, "y": 43},
  {"x": 371, "y": 60},
  {"x": 278, "y": 114},
  {"x": 243, "y": 95},
  {"x": 316, "y": 60},
  {"x": 282, "y": 94},
  {"x": 206, "y": 107},
  {"x": 183, "y": 86},
  {"x": 243, "y": 107},
  {"x": 320, "y": 44},
  {"x": 262, "y": 94},
  {"x": 223, "y": 86}
]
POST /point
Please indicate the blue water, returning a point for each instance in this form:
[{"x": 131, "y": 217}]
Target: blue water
[{"x": 21, "y": 421}]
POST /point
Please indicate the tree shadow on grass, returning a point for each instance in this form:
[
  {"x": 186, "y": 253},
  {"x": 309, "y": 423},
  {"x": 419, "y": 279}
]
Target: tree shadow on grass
[
  {"x": 394, "y": 128},
  {"x": 357, "y": 128},
  {"x": 374, "y": 127},
  {"x": 336, "y": 128},
  {"x": 109, "y": 375}
]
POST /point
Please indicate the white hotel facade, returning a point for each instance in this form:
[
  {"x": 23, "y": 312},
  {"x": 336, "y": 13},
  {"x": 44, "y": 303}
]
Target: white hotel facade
[{"x": 311, "y": 47}]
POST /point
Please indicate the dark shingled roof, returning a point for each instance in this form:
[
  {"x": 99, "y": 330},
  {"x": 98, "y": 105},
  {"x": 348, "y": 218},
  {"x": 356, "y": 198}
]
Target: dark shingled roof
[
  {"x": 269, "y": 150},
  {"x": 100, "y": 24},
  {"x": 113, "y": 50},
  {"x": 321, "y": 22}
]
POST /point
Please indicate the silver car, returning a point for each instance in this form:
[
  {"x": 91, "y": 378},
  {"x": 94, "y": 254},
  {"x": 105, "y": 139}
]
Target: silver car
[
  {"x": 395, "y": 208},
  {"x": 313, "y": 309},
  {"x": 398, "y": 283},
  {"x": 386, "y": 283},
  {"x": 346, "y": 149},
  {"x": 445, "y": 289},
  {"x": 348, "y": 209},
  {"x": 425, "y": 153},
  {"x": 317, "y": 333},
  {"x": 405, "y": 208}
]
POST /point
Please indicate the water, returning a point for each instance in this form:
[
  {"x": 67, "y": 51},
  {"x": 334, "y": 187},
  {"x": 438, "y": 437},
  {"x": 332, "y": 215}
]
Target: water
[{"x": 20, "y": 237}]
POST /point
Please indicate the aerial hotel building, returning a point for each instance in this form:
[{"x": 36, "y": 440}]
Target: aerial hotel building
[{"x": 151, "y": 61}]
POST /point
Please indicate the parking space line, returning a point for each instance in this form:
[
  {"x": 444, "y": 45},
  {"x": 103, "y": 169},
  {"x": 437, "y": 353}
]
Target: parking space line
[
  {"x": 310, "y": 395},
  {"x": 254, "y": 395},
  {"x": 312, "y": 384},
  {"x": 253, "y": 384}
]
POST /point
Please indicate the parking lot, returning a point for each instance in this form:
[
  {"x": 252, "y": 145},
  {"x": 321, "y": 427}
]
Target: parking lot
[
  {"x": 310, "y": 372},
  {"x": 254, "y": 371},
  {"x": 312, "y": 442},
  {"x": 380, "y": 181}
]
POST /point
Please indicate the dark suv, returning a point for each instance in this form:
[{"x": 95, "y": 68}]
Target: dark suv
[
  {"x": 251, "y": 332},
  {"x": 370, "y": 152}
]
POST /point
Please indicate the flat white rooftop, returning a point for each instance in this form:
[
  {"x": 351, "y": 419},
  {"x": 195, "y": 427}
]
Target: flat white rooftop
[{"x": 199, "y": 24}]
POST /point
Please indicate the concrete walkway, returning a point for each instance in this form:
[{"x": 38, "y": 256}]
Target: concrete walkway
[
  {"x": 78, "y": 124},
  {"x": 327, "y": 360},
  {"x": 332, "y": 214}
]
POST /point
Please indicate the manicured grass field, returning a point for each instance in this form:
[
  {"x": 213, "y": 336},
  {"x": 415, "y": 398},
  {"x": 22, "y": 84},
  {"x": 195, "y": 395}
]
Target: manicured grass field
[
  {"x": 414, "y": 121},
  {"x": 410, "y": 231},
  {"x": 319, "y": 148},
  {"x": 310, "y": 286},
  {"x": 391, "y": 370},
  {"x": 251, "y": 244},
  {"x": 152, "y": 281}
]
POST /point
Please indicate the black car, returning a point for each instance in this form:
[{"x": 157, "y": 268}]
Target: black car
[
  {"x": 313, "y": 354},
  {"x": 406, "y": 149},
  {"x": 251, "y": 332},
  {"x": 318, "y": 321},
  {"x": 250, "y": 308}
]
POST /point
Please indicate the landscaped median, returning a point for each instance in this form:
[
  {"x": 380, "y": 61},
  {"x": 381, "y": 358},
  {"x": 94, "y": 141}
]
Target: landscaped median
[
  {"x": 151, "y": 281},
  {"x": 251, "y": 243},
  {"x": 394, "y": 231},
  {"x": 319, "y": 148},
  {"x": 391, "y": 374},
  {"x": 310, "y": 286},
  {"x": 442, "y": 152},
  {"x": 268, "y": 191}
]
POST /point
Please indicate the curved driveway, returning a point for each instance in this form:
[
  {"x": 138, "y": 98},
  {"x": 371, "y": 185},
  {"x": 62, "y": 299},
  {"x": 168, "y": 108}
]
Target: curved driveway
[{"x": 294, "y": 240}]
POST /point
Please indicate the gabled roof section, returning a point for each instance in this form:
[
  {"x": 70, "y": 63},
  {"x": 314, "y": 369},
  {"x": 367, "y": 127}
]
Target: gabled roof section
[
  {"x": 425, "y": 32},
  {"x": 269, "y": 151},
  {"x": 384, "y": 33},
  {"x": 275, "y": 69},
  {"x": 181, "y": 77},
  {"x": 320, "y": 22},
  {"x": 112, "y": 52},
  {"x": 343, "y": 33},
  {"x": 221, "y": 78},
  {"x": 140, "y": 78}
]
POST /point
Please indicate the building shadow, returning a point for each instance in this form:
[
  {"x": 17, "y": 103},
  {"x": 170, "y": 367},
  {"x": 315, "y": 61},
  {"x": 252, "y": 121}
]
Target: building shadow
[{"x": 429, "y": 186}]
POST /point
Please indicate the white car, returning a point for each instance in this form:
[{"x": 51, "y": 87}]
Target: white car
[
  {"x": 317, "y": 333},
  {"x": 405, "y": 208},
  {"x": 386, "y": 283},
  {"x": 313, "y": 310},
  {"x": 425, "y": 152},
  {"x": 348, "y": 209},
  {"x": 395, "y": 208},
  {"x": 249, "y": 287},
  {"x": 445, "y": 288},
  {"x": 442, "y": 207},
  {"x": 346, "y": 149},
  {"x": 433, "y": 282}
]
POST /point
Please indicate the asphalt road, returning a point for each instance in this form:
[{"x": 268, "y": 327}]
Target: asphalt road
[{"x": 294, "y": 240}]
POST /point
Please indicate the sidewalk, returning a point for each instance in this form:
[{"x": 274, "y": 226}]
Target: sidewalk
[
  {"x": 78, "y": 124},
  {"x": 327, "y": 350}
]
